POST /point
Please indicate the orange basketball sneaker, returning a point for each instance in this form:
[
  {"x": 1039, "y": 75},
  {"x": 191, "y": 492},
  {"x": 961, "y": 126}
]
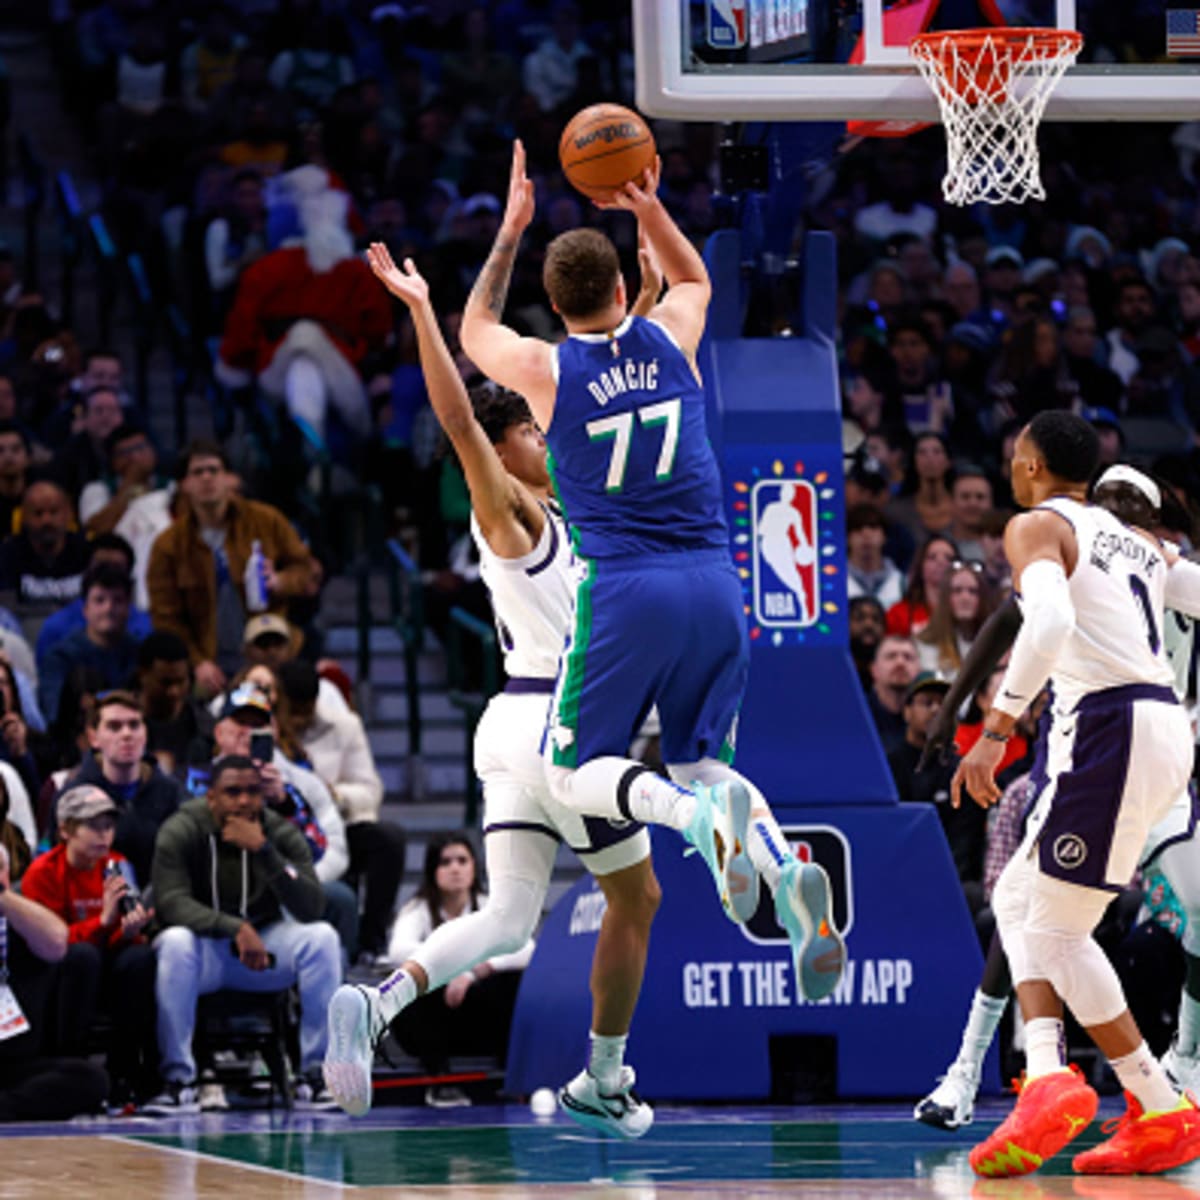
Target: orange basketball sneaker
[
  {"x": 1144, "y": 1144},
  {"x": 1050, "y": 1111}
]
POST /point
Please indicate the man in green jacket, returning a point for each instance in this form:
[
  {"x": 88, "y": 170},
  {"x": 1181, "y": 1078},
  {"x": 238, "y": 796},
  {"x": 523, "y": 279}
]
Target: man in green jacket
[{"x": 234, "y": 885}]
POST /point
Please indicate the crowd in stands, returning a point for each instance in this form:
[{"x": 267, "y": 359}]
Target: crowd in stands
[{"x": 159, "y": 601}]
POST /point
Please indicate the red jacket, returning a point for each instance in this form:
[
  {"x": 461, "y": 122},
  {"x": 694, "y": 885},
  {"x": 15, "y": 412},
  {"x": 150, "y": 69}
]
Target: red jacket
[
  {"x": 281, "y": 289},
  {"x": 75, "y": 895}
]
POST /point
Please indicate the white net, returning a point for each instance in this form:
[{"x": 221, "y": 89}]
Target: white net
[{"x": 992, "y": 86}]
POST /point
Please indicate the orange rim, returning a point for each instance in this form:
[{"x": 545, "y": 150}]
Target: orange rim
[{"x": 1047, "y": 43}]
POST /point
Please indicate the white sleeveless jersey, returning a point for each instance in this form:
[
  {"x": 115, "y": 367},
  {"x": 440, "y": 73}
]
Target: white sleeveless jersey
[
  {"x": 532, "y": 598},
  {"x": 1117, "y": 590}
]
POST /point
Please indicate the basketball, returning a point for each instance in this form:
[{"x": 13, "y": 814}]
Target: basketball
[{"x": 604, "y": 147}]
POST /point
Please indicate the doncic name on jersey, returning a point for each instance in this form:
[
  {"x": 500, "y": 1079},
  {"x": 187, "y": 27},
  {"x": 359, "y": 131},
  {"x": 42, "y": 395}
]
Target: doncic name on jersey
[{"x": 783, "y": 523}]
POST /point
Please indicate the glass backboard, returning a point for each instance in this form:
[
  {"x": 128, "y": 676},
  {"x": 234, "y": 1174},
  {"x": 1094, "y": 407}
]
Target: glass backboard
[{"x": 820, "y": 60}]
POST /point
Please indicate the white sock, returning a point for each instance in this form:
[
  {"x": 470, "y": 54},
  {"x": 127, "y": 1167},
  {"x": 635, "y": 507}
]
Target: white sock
[
  {"x": 1140, "y": 1074},
  {"x": 769, "y": 850},
  {"x": 608, "y": 1056},
  {"x": 396, "y": 993},
  {"x": 985, "y": 1015},
  {"x": 1188, "y": 1037},
  {"x": 1044, "y": 1046}
]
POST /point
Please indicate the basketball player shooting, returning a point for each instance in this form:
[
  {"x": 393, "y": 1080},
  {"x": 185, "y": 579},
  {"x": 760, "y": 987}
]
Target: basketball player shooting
[
  {"x": 1119, "y": 753},
  {"x": 658, "y": 620},
  {"x": 526, "y": 562}
]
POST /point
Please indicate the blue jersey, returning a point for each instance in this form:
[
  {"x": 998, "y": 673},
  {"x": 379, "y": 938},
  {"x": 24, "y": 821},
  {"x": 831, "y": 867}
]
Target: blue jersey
[{"x": 629, "y": 448}]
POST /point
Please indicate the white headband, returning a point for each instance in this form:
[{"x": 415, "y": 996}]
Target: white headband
[{"x": 1144, "y": 484}]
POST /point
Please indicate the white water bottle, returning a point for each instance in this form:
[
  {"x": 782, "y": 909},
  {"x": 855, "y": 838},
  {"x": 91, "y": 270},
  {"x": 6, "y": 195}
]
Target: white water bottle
[{"x": 256, "y": 579}]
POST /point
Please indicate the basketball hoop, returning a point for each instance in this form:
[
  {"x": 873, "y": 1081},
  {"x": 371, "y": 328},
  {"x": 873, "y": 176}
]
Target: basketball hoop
[{"x": 992, "y": 86}]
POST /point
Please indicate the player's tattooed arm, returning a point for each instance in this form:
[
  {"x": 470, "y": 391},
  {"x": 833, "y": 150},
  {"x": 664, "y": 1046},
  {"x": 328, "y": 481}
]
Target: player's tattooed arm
[{"x": 491, "y": 288}]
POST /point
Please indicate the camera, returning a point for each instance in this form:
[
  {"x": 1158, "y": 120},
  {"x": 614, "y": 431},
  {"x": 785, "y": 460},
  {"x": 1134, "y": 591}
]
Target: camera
[{"x": 128, "y": 902}]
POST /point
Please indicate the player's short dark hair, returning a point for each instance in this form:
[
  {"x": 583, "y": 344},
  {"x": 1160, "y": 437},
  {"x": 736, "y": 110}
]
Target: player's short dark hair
[
  {"x": 580, "y": 272},
  {"x": 227, "y": 763},
  {"x": 498, "y": 409},
  {"x": 12, "y": 429},
  {"x": 868, "y": 601},
  {"x": 124, "y": 432},
  {"x": 1068, "y": 444},
  {"x": 200, "y": 448}
]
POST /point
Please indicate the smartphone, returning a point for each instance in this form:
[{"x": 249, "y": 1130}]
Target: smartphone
[{"x": 262, "y": 746}]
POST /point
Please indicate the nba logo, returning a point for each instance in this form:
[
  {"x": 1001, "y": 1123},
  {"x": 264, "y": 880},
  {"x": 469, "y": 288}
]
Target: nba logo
[
  {"x": 726, "y": 24},
  {"x": 784, "y": 513}
]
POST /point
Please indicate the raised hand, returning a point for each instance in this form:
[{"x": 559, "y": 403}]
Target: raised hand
[
  {"x": 636, "y": 198},
  {"x": 407, "y": 285},
  {"x": 518, "y": 212}
]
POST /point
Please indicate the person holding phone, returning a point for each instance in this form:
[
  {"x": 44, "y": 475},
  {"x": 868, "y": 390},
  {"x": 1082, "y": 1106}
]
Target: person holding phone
[
  {"x": 248, "y": 726},
  {"x": 231, "y": 872}
]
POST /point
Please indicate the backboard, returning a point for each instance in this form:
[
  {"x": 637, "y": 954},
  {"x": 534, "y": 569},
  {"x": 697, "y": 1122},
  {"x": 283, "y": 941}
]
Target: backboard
[{"x": 833, "y": 60}]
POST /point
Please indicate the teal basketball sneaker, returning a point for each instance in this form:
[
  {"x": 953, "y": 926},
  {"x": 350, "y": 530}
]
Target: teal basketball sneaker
[
  {"x": 719, "y": 832},
  {"x": 804, "y": 907}
]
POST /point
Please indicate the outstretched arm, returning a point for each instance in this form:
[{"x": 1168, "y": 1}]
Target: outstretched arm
[
  {"x": 685, "y": 307},
  {"x": 519, "y": 363},
  {"x": 989, "y": 647},
  {"x": 494, "y": 496}
]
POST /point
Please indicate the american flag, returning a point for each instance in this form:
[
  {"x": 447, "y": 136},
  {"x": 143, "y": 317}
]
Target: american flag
[{"x": 1183, "y": 32}]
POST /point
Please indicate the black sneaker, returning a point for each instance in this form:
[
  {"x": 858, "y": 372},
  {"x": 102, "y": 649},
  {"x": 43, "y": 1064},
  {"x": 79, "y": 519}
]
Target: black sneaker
[
  {"x": 311, "y": 1095},
  {"x": 176, "y": 1099},
  {"x": 445, "y": 1096}
]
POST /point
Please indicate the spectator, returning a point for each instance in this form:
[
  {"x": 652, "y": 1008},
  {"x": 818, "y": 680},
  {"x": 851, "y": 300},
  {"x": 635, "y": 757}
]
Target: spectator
[
  {"x": 26, "y": 750},
  {"x": 116, "y": 764},
  {"x": 269, "y": 641},
  {"x": 235, "y": 889},
  {"x": 925, "y": 506},
  {"x": 297, "y": 794},
  {"x": 198, "y": 565},
  {"x": 1099, "y": 387},
  {"x": 179, "y": 729},
  {"x": 104, "y": 548},
  {"x": 925, "y": 576},
  {"x": 901, "y": 212},
  {"x": 85, "y": 456},
  {"x": 867, "y": 484},
  {"x": 336, "y": 747},
  {"x": 1030, "y": 375},
  {"x": 960, "y": 283},
  {"x": 996, "y": 569},
  {"x": 44, "y": 563},
  {"x": 893, "y": 669},
  {"x": 315, "y": 69},
  {"x": 14, "y": 469},
  {"x": 1003, "y": 272},
  {"x": 132, "y": 463},
  {"x": 104, "y": 643},
  {"x": 965, "y": 827},
  {"x": 964, "y": 603},
  {"x": 867, "y": 627},
  {"x": 917, "y": 391},
  {"x": 237, "y": 239},
  {"x": 145, "y": 518},
  {"x": 209, "y": 63},
  {"x": 551, "y": 72},
  {"x": 306, "y": 316},
  {"x": 971, "y": 501},
  {"x": 1133, "y": 313},
  {"x": 1108, "y": 428},
  {"x": 868, "y": 572},
  {"x": 473, "y": 1012},
  {"x": 18, "y": 836},
  {"x": 34, "y": 1087},
  {"x": 109, "y": 966}
]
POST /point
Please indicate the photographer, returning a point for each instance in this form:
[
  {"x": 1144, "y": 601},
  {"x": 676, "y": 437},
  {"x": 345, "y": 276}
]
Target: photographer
[
  {"x": 109, "y": 966},
  {"x": 34, "y": 1087},
  {"x": 235, "y": 886}
]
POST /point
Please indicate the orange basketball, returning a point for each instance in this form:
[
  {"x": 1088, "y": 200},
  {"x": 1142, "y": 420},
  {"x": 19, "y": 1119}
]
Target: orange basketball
[{"x": 603, "y": 147}]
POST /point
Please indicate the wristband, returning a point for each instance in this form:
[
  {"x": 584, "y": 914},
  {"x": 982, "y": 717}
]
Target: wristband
[{"x": 993, "y": 736}]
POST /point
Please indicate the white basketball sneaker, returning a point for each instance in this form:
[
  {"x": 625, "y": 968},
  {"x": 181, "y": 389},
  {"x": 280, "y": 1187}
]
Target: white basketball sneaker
[
  {"x": 952, "y": 1103},
  {"x": 355, "y": 1025},
  {"x": 1183, "y": 1070},
  {"x": 621, "y": 1112}
]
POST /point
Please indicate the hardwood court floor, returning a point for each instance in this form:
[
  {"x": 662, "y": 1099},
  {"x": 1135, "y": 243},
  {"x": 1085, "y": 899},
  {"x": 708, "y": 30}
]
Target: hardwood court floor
[{"x": 498, "y": 1153}]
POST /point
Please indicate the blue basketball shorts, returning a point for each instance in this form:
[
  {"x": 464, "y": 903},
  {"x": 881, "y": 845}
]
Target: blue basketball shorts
[{"x": 667, "y": 632}]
